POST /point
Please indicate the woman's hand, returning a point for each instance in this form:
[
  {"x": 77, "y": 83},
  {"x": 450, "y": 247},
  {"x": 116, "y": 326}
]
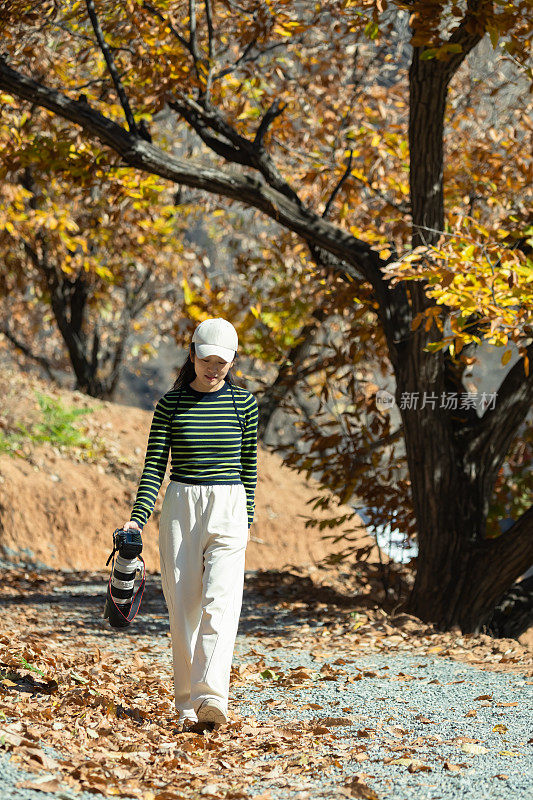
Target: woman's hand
[{"x": 132, "y": 525}]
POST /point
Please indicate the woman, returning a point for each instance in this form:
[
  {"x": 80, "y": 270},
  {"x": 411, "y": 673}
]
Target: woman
[{"x": 209, "y": 424}]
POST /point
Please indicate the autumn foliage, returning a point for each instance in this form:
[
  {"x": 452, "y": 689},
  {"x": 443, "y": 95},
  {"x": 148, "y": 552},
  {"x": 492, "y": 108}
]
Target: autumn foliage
[{"x": 387, "y": 145}]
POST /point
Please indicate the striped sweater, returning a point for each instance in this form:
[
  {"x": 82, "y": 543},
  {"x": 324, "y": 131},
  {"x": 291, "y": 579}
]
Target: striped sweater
[{"x": 209, "y": 443}]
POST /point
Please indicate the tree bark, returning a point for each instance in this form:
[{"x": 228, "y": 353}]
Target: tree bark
[
  {"x": 426, "y": 142},
  {"x": 453, "y": 458}
]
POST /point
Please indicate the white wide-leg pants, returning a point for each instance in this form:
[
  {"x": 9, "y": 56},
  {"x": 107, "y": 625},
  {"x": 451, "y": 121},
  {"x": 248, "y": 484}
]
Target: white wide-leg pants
[{"x": 203, "y": 535}]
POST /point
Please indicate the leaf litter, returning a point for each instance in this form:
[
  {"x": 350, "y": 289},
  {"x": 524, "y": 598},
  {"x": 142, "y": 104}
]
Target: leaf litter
[{"x": 105, "y": 705}]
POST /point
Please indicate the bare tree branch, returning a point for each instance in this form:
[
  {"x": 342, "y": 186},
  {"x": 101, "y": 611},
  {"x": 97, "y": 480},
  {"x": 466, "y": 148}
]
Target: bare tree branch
[
  {"x": 19, "y": 345},
  {"x": 355, "y": 257},
  {"x": 210, "y": 32},
  {"x": 210, "y": 50},
  {"x": 494, "y": 431},
  {"x": 192, "y": 29},
  {"x": 151, "y": 10},
  {"x": 274, "y": 111},
  {"x": 193, "y": 114},
  {"x": 243, "y": 58},
  {"x": 244, "y": 152},
  {"x": 106, "y": 52},
  {"x": 403, "y": 208},
  {"x": 339, "y": 185},
  {"x": 467, "y": 34}
]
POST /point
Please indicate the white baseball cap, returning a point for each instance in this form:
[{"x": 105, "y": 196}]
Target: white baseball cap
[{"x": 215, "y": 337}]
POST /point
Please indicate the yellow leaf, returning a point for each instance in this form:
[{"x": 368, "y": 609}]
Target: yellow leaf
[
  {"x": 499, "y": 729},
  {"x": 506, "y": 357}
]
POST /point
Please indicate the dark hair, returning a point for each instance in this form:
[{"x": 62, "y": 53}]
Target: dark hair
[{"x": 187, "y": 374}]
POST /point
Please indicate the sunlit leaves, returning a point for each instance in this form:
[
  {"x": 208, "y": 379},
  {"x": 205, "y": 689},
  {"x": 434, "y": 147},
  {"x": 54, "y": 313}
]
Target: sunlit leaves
[
  {"x": 475, "y": 271},
  {"x": 68, "y": 209}
]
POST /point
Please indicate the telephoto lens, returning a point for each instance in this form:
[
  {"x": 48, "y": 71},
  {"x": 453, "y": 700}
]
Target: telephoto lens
[{"x": 121, "y": 585}]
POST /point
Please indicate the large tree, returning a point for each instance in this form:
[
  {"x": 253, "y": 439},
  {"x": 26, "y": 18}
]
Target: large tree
[
  {"x": 315, "y": 111},
  {"x": 88, "y": 248}
]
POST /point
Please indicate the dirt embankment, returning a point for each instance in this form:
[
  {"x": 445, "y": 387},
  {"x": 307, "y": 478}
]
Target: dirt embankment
[{"x": 61, "y": 505}]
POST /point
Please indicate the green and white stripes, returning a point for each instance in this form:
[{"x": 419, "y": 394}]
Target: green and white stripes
[{"x": 207, "y": 445}]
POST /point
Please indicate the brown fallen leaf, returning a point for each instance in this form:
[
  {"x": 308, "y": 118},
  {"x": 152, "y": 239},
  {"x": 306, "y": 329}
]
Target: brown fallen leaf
[
  {"x": 9, "y": 737},
  {"x": 356, "y": 787},
  {"x": 47, "y": 784},
  {"x": 464, "y": 740},
  {"x": 453, "y": 767},
  {"x": 502, "y": 777},
  {"x": 301, "y": 674},
  {"x": 36, "y": 754},
  {"x": 483, "y": 697},
  {"x": 418, "y": 766},
  {"x": 472, "y": 713},
  {"x": 397, "y": 731},
  {"x": 335, "y": 721}
]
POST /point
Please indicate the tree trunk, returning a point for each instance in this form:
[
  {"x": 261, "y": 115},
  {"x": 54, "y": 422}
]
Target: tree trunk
[
  {"x": 426, "y": 141},
  {"x": 461, "y": 574},
  {"x": 72, "y": 297},
  {"x": 453, "y": 457}
]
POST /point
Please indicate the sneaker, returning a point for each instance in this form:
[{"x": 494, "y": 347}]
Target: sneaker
[
  {"x": 188, "y": 726},
  {"x": 211, "y": 711}
]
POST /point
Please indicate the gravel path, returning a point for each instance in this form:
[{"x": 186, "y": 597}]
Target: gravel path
[
  {"x": 457, "y": 731},
  {"x": 423, "y": 716}
]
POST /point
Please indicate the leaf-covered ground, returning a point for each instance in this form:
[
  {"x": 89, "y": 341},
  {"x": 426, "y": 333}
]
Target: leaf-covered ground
[{"x": 329, "y": 697}]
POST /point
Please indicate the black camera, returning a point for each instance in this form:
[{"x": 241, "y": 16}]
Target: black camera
[
  {"x": 122, "y": 602},
  {"x": 129, "y": 544}
]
